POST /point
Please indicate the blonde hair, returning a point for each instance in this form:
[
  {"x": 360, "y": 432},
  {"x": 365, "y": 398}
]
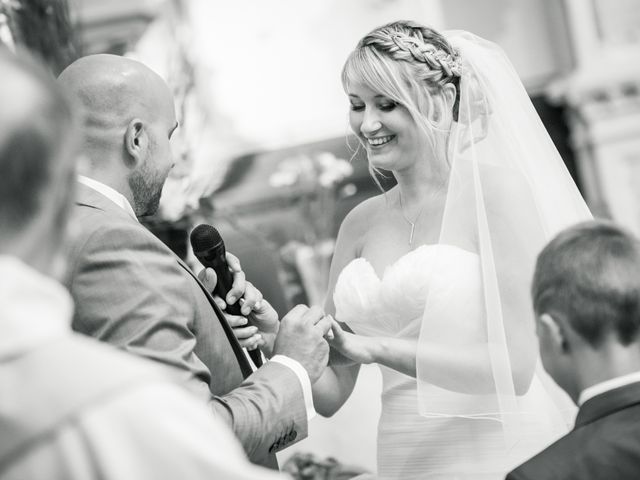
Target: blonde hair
[{"x": 410, "y": 64}]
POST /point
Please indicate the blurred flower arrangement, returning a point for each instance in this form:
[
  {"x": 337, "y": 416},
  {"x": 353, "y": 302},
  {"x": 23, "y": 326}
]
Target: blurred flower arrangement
[
  {"x": 317, "y": 180},
  {"x": 306, "y": 466}
]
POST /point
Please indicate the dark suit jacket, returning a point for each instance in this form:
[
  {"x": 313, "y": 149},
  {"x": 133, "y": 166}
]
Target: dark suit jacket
[
  {"x": 604, "y": 444},
  {"x": 131, "y": 290}
]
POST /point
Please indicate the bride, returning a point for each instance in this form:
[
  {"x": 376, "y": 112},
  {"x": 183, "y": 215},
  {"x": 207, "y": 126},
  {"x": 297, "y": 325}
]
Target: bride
[{"x": 430, "y": 279}]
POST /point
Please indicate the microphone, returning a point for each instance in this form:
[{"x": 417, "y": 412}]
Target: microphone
[{"x": 209, "y": 249}]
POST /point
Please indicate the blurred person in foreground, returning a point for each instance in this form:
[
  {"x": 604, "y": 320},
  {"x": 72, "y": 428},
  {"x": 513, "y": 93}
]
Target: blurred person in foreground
[
  {"x": 132, "y": 291},
  {"x": 70, "y": 407},
  {"x": 586, "y": 295}
]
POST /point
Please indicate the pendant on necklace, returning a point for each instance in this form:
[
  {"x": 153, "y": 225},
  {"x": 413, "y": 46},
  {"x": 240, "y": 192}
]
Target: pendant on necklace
[
  {"x": 406, "y": 219},
  {"x": 413, "y": 227}
]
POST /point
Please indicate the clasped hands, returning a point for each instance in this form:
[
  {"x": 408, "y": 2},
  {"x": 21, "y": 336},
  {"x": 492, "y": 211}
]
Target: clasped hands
[
  {"x": 251, "y": 303},
  {"x": 302, "y": 333}
]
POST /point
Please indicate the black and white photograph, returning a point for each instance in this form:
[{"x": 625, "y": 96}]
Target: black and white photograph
[{"x": 320, "y": 239}]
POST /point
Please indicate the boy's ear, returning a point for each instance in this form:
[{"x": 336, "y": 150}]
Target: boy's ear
[{"x": 554, "y": 330}]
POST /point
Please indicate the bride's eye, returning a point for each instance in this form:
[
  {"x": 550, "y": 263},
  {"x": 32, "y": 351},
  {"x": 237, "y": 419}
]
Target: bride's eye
[
  {"x": 387, "y": 106},
  {"x": 355, "y": 107}
]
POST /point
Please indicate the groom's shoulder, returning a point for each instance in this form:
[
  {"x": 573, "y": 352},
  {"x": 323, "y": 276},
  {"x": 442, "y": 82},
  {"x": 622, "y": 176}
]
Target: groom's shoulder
[
  {"x": 95, "y": 231},
  {"x": 91, "y": 225}
]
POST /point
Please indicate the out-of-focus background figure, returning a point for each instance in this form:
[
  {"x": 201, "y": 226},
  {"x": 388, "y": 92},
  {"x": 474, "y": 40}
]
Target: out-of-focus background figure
[{"x": 263, "y": 148}]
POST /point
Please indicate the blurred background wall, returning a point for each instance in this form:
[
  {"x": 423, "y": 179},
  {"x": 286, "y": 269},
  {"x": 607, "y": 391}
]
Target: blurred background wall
[{"x": 264, "y": 151}]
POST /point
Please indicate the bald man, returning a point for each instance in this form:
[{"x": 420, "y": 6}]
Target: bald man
[
  {"x": 70, "y": 407},
  {"x": 132, "y": 291}
]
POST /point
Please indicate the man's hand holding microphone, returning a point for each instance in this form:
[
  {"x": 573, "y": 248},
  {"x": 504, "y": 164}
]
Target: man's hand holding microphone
[{"x": 300, "y": 335}]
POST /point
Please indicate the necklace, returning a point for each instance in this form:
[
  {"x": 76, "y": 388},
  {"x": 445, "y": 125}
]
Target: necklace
[{"x": 406, "y": 219}]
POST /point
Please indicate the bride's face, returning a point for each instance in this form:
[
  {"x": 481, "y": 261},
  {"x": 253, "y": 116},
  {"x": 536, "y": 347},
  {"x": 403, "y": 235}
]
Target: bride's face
[{"x": 386, "y": 128}]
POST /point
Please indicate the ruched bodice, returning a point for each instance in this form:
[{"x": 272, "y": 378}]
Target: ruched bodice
[
  {"x": 393, "y": 305},
  {"x": 410, "y": 445}
]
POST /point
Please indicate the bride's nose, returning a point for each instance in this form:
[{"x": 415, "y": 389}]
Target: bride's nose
[{"x": 370, "y": 123}]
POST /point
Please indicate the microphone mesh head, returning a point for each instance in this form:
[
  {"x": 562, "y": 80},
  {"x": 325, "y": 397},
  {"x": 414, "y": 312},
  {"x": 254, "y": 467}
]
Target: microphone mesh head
[{"x": 204, "y": 237}]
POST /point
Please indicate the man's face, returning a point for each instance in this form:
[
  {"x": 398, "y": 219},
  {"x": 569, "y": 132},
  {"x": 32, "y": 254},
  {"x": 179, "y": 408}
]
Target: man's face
[{"x": 147, "y": 181}]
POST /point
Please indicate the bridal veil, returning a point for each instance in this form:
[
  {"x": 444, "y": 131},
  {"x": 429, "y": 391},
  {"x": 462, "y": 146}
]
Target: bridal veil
[{"x": 509, "y": 192}]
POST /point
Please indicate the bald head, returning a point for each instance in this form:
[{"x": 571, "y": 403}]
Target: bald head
[
  {"x": 129, "y": 118},
  {"x": 113, "y": 91}
]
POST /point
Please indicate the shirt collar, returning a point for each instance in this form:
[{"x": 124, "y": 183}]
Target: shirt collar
[
  {"x": 33, "y": 308},
  {"x": 113, "y": 195},
  {"x": 611, "y": 384}
]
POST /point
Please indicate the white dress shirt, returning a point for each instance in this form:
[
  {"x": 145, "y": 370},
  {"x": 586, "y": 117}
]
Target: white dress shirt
[
  {"x": 305, "y": 383},
  {"x": 151, "y": 431},
  {"x": 607, "y": 385},
  {"x": 113, "y": 195}
]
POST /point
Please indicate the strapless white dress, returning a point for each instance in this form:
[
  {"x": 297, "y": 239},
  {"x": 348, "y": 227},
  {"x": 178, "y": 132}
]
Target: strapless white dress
[{"x": 411, "y": 446}]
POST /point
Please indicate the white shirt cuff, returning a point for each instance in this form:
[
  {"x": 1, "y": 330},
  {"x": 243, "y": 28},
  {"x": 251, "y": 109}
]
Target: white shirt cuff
[{"x": 305, "y": 382}]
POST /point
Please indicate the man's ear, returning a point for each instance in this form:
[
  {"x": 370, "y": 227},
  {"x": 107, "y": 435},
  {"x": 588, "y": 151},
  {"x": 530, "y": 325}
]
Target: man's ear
[
  {"x": 136, "y": 142},
  {"x": 554, "y": 330}
]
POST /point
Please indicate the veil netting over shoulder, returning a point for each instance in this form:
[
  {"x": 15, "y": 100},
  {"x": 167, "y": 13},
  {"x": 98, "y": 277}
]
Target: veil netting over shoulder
[{"x": 509, "y": 192}]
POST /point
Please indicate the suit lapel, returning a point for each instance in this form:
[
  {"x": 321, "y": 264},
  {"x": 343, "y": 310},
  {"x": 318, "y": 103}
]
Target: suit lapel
[
  {"x": 89, "y": 197},
  {"x": 608, "y": 403}
]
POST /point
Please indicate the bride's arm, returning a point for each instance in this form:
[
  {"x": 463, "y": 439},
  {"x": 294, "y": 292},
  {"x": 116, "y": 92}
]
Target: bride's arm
[
  {"x": 336, "y": 383},
  {"x": 334, "y": 388},
  {"x": 468, "y": 368}
]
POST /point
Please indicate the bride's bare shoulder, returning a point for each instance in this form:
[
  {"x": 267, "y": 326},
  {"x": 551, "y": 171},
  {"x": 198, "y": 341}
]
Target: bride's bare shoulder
[
  {"x": 353, "y": 231},
  {"x": 361, "y": 217}
]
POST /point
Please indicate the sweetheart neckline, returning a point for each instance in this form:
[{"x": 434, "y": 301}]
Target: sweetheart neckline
[{"x": 399, "y": 259}]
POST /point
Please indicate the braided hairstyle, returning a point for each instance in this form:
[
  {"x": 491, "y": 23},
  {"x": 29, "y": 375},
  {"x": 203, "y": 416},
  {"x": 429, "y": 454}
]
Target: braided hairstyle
[{"x": 409, "y": 63}]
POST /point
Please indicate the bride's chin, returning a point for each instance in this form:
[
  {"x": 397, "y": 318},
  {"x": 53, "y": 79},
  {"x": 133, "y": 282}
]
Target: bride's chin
[{"x": 381, "y": 160}]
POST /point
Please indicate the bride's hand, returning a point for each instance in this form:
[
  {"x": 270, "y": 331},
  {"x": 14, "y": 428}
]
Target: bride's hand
[{"x": 355, "y": 347}]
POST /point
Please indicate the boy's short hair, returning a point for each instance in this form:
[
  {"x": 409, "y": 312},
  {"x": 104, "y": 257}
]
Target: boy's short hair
[{"x": 591, "y": 274}]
